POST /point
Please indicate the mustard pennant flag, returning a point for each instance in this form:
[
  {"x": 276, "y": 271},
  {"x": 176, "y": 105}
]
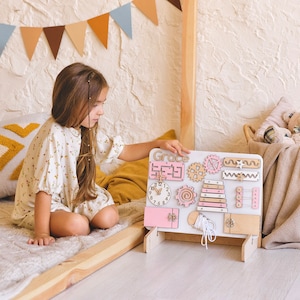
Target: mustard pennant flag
[
  {"x": 54, "y": 36},
  {"x": 148, "y": 8},
  {"x": 122, "y": 16},
  {"x": 30, "y": 37},
  {"x": 5, "y": 33},
  {"x": 100, "y": 27},
  {"x": 176, "y": 3},
  {"x": 76, "y": 33}
]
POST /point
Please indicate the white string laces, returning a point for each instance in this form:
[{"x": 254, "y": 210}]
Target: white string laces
[{"x": 208, "y": 228}]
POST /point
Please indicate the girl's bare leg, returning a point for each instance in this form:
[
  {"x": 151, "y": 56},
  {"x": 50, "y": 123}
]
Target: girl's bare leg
[
  {"x": 106, "y": 217},
  {"x": 64, "y": 223}
]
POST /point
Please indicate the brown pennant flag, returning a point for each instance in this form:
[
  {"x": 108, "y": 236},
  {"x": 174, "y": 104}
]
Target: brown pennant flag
[
  {"x": 148, "y": 8},
  {"x": 54, "y": 35},
  {"x": 100, "y": 27},
  {"x": 176, "y": 3},
  {"x": 76, "y": 33},
  {"x": 30, "y": 37}
]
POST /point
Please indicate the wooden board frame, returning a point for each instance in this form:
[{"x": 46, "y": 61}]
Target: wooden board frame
[
  {"x": 64, "y": 275},
  {"x": 248, "y": 244}
]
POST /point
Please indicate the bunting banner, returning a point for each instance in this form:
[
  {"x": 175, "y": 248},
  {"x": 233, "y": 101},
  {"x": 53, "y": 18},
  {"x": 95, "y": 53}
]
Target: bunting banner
[
  {"x": 5, "y": 33},
  {"x": 100, "y": 27},
  {"x": 148, "y": 8},
  {"x": 30, "y": 37},
  {"x": 54, "y": 35},
  {"x": 122, "y": 16},
  {"x": 176, "y": 3},
  {"x": 77, "y": 31}
]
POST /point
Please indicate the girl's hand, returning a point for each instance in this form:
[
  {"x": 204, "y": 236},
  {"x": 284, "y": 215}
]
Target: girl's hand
[
  {"x": 42, "y": 240},
  {"x": 174, "y": 146}
]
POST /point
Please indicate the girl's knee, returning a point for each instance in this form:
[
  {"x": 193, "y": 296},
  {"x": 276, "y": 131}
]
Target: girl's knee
[
  {"x": 106, "y": 218},
  {"x": 69, "y": 224},
  {"x": 78, "y": 225}
]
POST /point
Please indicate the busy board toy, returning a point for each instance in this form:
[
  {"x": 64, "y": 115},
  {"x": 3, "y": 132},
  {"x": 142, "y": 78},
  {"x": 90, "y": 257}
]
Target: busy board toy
[{"x": 206, "y": 194}]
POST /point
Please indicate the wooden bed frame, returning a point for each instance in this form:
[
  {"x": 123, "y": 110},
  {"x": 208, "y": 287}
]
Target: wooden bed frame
[{"x": 64, "y": 275}]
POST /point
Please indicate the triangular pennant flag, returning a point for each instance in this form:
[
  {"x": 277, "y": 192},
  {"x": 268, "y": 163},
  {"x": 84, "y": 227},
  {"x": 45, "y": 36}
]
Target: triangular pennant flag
[
  {"x": 176, "y": 3},
  {"x": 100, "y": 27},
  {"x": 5, "y": 33},
  {"x": 122, "y": 15},
  {"x": 76, "y": 33},
  {"x": 30, "y": 37},
  {"x": 54, "y": 36},
  {"x": 148, "y": 8}
]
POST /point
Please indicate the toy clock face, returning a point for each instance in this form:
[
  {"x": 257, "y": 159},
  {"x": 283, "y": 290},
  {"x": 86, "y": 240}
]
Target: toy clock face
[{"x": 159, "y": 193}]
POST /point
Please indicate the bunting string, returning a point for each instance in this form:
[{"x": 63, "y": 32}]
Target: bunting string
[{"x": 77, "y": 31}]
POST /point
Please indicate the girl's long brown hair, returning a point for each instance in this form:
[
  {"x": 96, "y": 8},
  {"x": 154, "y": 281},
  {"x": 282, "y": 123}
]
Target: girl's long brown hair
[{"x": 75, "y": 91}]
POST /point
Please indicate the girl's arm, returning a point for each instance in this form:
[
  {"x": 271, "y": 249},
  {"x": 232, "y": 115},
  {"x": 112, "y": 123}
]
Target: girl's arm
[
  {"x": 42, "y": 220},
  {"x": 141, "y": 150}
]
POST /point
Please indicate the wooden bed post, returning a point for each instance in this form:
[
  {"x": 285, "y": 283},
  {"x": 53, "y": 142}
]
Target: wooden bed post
[
  {"x": 188, "y": 81},
  {"x": 188, "y": 94}
]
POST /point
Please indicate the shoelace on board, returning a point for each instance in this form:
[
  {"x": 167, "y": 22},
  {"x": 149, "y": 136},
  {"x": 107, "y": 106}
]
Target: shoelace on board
[{"x": 208, "y": 229}]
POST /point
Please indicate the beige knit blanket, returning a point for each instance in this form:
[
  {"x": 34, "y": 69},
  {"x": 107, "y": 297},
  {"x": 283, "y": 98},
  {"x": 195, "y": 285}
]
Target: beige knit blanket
[
  {"x": 281, "y": 182},
  {"x": 20, "y": 262}
]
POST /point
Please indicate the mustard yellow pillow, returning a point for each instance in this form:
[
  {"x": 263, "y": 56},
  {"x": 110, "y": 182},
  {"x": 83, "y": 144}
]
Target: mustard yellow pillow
[{"x": 129, "y": 181}]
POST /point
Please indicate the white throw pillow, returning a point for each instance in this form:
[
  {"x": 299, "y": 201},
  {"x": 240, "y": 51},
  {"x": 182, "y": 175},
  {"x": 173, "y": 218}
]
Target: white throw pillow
[{"x": 274, "y": 118}]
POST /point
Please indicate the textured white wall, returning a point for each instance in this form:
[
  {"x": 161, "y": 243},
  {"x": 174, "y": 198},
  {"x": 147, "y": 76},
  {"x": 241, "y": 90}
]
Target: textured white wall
[
  {"x": 143, "y": 72},
  {"x": 248, "y": 57}
]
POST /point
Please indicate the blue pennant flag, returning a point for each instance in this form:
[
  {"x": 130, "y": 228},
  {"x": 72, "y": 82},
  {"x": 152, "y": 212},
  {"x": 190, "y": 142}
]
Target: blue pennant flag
[
  {"x": 5, "y": 33},
  {"x": 122, "y": 16}
]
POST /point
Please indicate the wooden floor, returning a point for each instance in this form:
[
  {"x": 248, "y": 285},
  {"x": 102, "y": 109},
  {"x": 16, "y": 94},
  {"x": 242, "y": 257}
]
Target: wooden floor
[{"x": 183, "y": 270}]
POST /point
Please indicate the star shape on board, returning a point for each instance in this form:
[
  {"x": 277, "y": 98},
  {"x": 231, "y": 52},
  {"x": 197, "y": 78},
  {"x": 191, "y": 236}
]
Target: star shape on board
[{"x": 239, "y": 164}]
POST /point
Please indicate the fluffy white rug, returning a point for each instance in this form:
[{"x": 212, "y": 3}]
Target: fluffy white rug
[{"x": 20, "y": 262}]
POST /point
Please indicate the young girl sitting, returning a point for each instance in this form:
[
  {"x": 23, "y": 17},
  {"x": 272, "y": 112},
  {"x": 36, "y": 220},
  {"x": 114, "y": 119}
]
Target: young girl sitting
[{"x": 56, "y": 194}]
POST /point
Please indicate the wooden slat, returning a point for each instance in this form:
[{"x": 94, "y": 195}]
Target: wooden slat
[
  {"x": 188, "y": 81},
  {"x": 64, "y": 275},
  {"x": 196, "y": 238}
]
